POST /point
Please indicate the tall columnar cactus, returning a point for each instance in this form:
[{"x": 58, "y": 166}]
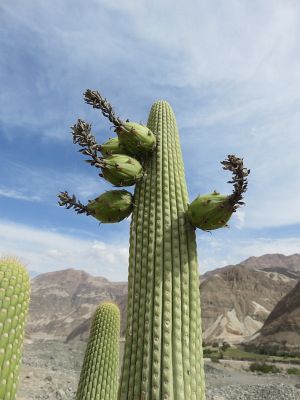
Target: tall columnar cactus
[
  {"x": 99, "y": 373},
  {"x": 14, "y": 301},
  {"x": 163, "y": 349}
]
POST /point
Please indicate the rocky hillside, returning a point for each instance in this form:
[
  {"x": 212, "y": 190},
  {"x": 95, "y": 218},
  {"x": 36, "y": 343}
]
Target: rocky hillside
[
  {"x": 282, "y": 327},
  {"x": 289, "y": 265},
  {"x": 236, "y": 300},
  {"x": 62, "y": 302}
]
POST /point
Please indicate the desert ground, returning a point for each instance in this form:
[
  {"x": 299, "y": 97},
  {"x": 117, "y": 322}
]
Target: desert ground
[{"x": 50, "y": 370}]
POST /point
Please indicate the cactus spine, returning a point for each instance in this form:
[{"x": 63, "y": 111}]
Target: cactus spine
[
  {"x": 14, "y": 301},
  {"x": 163, "y": 354},
  {"x": 99, "y": 373}
]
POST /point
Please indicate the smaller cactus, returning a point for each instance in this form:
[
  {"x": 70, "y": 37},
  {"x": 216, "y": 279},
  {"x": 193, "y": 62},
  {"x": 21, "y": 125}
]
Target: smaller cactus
[
  {"x": 14, "y": 302},
  {"x": 112, "y": 206},
  {"x": 99, "y": 373},
  {"x": 213, "y": 211}
]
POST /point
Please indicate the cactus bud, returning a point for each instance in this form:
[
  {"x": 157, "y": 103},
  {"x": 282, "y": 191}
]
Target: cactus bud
[
  {"x": 112, "y": 206},
  {"x": 121, "y": 170},
  {"x": 210, "y": 211},
  {"x": 112, "y": 146},
  {"x": 135, "y": 138}
]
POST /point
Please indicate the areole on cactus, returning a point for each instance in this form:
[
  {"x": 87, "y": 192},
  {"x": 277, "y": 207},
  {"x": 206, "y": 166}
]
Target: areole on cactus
[{"x": 163, "y": 357}]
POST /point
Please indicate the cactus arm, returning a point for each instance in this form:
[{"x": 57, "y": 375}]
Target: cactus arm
[
  {"x": 14, "y": 303},
  {"x": 99, "y": 373}
]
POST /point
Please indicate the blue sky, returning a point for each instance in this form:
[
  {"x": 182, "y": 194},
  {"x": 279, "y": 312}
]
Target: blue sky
[{"x": 230, "y": 70}]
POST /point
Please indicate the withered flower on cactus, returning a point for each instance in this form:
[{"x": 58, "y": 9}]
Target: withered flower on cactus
[
  {"x": 118, "y": 169},
  {"x": 213, "y": 211},
  {"x": 137, "y": 139},
  {"x": 110, "y": 207}
]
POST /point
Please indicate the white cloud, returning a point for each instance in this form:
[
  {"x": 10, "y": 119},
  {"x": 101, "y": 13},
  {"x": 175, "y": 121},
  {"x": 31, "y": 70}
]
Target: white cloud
[
  {"x": 214, "y": 252},
  {"x": 44, "y": 251},
  {"x": 18, "y": 195}
]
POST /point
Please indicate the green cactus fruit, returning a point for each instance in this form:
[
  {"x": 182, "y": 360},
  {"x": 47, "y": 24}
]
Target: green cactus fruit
[
  {"x": 112, "y": 206},
  {"x": 137, "y": 139},
  {"x": 14, "y": 301},
  {"x": 112, "y": 146},
  {"x": 210, "y": 211},
  {"x": 99, "y": 373},
  {"x": 121, "y": 170}
]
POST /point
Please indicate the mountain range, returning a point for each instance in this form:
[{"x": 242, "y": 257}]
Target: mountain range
[{"x": 236, "y": 300}]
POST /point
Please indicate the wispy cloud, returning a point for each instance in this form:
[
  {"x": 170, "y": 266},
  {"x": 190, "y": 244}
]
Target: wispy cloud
[
  {"x": 24, "y": 182},
  {"x": 44, "y": 251},
  {"x": 14, "y": 194}
]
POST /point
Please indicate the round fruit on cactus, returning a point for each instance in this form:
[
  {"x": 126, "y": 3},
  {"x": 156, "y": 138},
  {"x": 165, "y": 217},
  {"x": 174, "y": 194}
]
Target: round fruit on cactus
[
  {"x": 210, "y": 211},
  {"x": 137, "y": 139},
  {"x": 112, "y": 206},
  {"x": 121, "y": 170},
  {"x": 112, "y": 146}
]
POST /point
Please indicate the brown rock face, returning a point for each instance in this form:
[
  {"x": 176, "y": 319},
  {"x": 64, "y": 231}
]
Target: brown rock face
[
  {"x": 237, "y": 300},
  {"x": 276, "y": 262},
  {"x": 282, "y": 327},
  {"x": 61, "y": 301}
]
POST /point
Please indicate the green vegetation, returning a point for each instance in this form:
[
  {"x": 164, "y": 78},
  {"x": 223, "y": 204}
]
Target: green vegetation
[
  {"x": 264, "y": 368},
  {"x": 293, "y": 371},
  {"x": 239, "y": 353}
]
